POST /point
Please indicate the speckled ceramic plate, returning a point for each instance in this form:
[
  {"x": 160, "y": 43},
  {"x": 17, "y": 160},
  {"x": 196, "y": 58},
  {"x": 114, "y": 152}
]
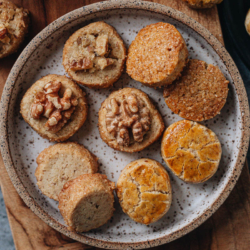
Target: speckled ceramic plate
[{"x": 192, "y": 204}]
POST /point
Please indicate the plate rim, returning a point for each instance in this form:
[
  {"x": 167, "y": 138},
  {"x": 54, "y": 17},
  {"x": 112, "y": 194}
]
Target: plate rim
[{"x": 89, "y": 10}]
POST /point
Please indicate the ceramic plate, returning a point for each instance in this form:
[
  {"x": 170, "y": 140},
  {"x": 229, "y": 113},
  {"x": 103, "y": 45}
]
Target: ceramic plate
[{"x": 192, "y": 204}]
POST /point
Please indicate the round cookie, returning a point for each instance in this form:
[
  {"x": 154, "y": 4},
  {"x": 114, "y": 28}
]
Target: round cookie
[
  {"x": 87, "y": 202},
  {"x": 157, "y": 55},
  {"x": 191, "y": 151},
  {"x": 60, "y": 163},
  {"x": 247, "y": 22},
  {"x": 128, "y": 121},
  {"x": 202, "y": 4},
  {"x": 55, "y": 107},
  {"x": 199, "y": 94},
  {"x": 14, "y": 23},
  {"x": 94, "y": 55},
  {"x": 144, "y": 191}
]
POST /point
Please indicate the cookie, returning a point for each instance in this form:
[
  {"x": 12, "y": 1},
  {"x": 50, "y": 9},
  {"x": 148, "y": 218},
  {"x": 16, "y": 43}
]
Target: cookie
[
  {"x": 199, "y": 94},
  {"x": 87, "y": 202},
  {"x": 157, "y": 55},
  {"x": 94, "y": 55},
  {"x": 14, "y": 23},
  {"x": 128, "y": 121},
  {"x": 201, "y": 4},
  {"x": 191, "y": 151},
  {"x": 144, "y": 191},
  {"x": 60, "y": 163},
  {"x": 247, "y": 22},
  {"x": 55, "y": 107}
]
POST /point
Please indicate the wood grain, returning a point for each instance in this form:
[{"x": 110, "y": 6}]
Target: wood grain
[{"x": 228, "y": 228}]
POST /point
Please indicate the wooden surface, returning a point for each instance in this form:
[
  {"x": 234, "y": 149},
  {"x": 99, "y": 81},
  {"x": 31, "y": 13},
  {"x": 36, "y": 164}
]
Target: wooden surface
[{"x": 228, "y": 228}]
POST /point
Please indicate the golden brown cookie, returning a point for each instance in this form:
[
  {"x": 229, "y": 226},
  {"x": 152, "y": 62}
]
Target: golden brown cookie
[
  {"x": 128, "y": 121},
  {"x": 247, "y": 22},
  {"x": 144, "y": 191},
  {"x": 199, "y": 94},
  {"x": 87, "y": 202},
  {"x": 94, "y": 55},
  {"x": 60, "y": 163},
  {"x": 202, "y": 4},
  {"x": 14, "y": 23},
  {"x": 55, "y": 107},
  {"x": 191, "y": 151},
  {"x": 157, "y": 55}
]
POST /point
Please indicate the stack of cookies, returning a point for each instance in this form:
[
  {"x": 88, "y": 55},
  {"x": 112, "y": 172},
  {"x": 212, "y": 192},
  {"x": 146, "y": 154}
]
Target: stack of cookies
[{"x": 56, "y": 108}]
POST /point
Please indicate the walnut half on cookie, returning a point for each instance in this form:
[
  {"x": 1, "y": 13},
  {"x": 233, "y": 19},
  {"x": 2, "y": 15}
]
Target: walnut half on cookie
[
  {"x": 55, "y": 107},
  {"x": 94, "y": 55},
  {"x": 128, "y": 121},
  {"x": 14, "y": 23},
  {"x": 191, "y": 151}
]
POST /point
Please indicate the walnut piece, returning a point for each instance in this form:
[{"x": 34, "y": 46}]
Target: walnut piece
[
  {"x": 128, "y": 120},
  {"x": 50, "y": 105},
  {"x": 91, "y": 54},
  {"x": 3, "y": 31}
]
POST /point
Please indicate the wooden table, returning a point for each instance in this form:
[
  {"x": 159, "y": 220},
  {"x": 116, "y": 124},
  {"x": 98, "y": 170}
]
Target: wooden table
[{"x": 228, "y": 228}]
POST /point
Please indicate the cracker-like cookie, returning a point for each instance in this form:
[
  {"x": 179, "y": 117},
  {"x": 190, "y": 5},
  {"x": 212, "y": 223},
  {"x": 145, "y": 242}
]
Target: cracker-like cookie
[
  {"x": 55, "y": 107},
  {"x": 157, "y": 55},
  {"x": 191, "y": 151},
  {"x": 128, "y": 121},
  {"x": 60, "y": 163},
  {"x": 14, "y": 23},
  {"x": 202, "y": 4},
  {"x": 94, "y": 55},
  {"x": 199, "y": 94},
  {"x": 87, "y": 202},
  {"x": 144, "y": 191}
]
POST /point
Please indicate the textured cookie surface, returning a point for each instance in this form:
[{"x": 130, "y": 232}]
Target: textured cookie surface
[
  {"x": 191, "y": 151},
  {"x": 87, "y": 202},
  {"x": 199, "y": 94},
  {"x": 94, "y": 55},
  {"x": 14, "y": 24},
  {"x": 60, "y": 163},
  {"x": 157, "y": 55},
  {"x": 144, "y": 191},
  {"x": 128, "y": 121},
  {"x": 201, "y": 4},
  {"x": 71, "y": 119}
]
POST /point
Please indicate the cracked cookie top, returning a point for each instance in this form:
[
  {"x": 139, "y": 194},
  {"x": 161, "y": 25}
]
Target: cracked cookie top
[
  {"x": 94, "y": 55},
  {"x": 199, "y": 94},
  {"x": 14, "y": 24},
  {"x": 144, "y": 191},
  {"x": 191, "y": 151}
]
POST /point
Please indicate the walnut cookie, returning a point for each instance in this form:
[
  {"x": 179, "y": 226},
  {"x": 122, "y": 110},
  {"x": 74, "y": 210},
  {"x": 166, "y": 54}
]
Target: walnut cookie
[
  {"x": 191, "y": 151},
  {"x": 128, "y": 121},
  {"x": 201, "y": 4},
  {"x": 87, "y": 202},
  {"x": 55, "y": 107},
  {"x": 14, "y": 23},
  {"x": 157, "y": 55},
  {"x": 144, "y": 191},
  {"x": 94, "y": 55},
  {"x": 60, "y": 163},
  {"x": 199, "y": 94}
]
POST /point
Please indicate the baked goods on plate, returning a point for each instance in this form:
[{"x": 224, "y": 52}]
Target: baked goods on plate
[
  {"x": 55, "y": 107},
  {"x": 191, "y": 151},
  {"x": 144, "y": 191},
  {"x": 202, "y": 4},
  {"x": 94, "y": 55},
  {"x": 60, "y": 163},
  {"x": 157, "y": 55},
  {"x": 14, "y": 23},
  {"x": 199, "y": 94},
  {"x": 87, "y": 202},
  {"x": 128, "y": 121}
]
